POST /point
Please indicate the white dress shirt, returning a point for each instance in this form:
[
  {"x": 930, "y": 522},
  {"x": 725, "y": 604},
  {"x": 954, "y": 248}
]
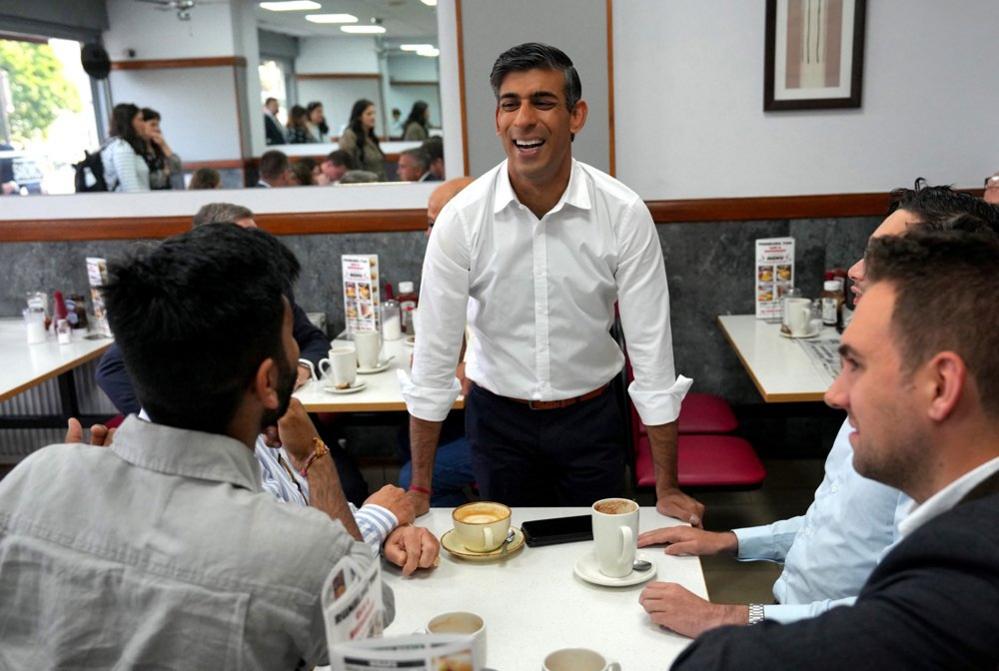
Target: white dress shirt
[
  {"x": 539, "y": 297},
  {"x": 947, "y": 498},
  {"x": 830, "y": 551}
]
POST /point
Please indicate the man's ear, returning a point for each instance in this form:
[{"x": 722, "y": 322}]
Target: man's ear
[
  {"x": 577, "y": 117},
  {"x": 946, "y": 379},
  {"x": 265, "y": 384}
]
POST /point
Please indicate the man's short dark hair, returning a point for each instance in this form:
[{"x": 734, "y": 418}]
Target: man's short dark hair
[
  {"x": 419, "y": 155},
  {"x": 269, "y": 100},
  {"x": 433, "y": 147},
  {"x": 946, "y": 283},
  {"x": 221, "y": 213},
  {"x": 342, "y": 158},
  {"x": 195, "y": 316},
  {"x": 940, "y": 206},
  {"x": 533, "y": 56},
  {"x": 273, "y": 164}
]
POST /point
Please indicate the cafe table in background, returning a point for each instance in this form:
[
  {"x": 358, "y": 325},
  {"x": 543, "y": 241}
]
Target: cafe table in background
[{"x": 533, "y": 604}]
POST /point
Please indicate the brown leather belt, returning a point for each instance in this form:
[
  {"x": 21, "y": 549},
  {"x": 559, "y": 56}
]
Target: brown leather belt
[{"x": 564, "y": 403}]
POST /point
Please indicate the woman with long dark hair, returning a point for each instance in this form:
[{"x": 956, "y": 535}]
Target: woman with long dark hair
[
  {"x": 360, "y": 141},
  {"x": 165, "y": 171},
  {"x": 416, "y": 125},
  {"x": 298, "y": 127},
  {"x": 316, "y": 121},
  {"x": 125, "y": 168}
]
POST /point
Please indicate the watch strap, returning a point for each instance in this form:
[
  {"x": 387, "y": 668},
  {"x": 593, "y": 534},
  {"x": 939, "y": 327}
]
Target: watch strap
[
  {"x": 319, "y": 449},
  {"x": 755, "y": 613}
]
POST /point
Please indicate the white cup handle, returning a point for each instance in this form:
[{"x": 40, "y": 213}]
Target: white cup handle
[
  {"x": 613, "y": 666},
  {"x": 488, "y": 535},
  {"x": 312, "y": 369},
  {"x": 324, "y": 365},
  {"x": 627, "y": 540}
]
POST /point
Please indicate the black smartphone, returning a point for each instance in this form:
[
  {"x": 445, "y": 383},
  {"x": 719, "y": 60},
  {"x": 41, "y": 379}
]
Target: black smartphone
[{"x": 558, "y": 530}]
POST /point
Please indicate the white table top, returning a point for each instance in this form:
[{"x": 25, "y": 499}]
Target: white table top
[
  {"x": 780, "y": 369},
  {"x": 533, "y": 604},
  {"x": 381, "y": 392},
  {"x": 324, "y": 148},
  {"x": 23, "y": 366}
]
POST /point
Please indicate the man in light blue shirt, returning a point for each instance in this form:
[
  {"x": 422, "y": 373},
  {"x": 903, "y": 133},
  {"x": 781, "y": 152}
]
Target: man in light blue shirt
[{"x": 829, "y": 552}]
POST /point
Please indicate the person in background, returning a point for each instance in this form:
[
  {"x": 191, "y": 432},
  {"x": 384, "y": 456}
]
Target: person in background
[
  {"x": 273, "y": 130},
  {"x": 205, "y": 178},
  {"x": 304, "y": 172},
  {"x": 125, "y": 167},
  {"x": 275, "y": 171},
  {"x": 160, "y": 551},
  {"x": 544, "y": 426},
  {"x": 359, "y": 177},
  {"x": 991, "y": 193},
  {"x": 829, "y": 552},
  {"x": 297, "y": 130},
  {"x": 433, "y": 147},
  {"x": 8, "y": 185},
  {"x": 334, "y": 166},
  {"x": 165, "y": 171},
  {"x": 415, "y": 126},
  {"x": 413, "y": 165},
  {"x": 359, "y": 139},
  {"x": 313, "y": 344},
  {"x": 395, "y": 128},
  {"x": 318, "y": 127},
  {"x": 920, "y": 386}
]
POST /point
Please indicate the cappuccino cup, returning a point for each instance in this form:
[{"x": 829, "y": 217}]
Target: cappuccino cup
[
  {"x": 481, "y": 526},
  {"x": 369, "y": 348},
  {"x": 466, "y": 624},
  {"x": 615, "y": 535},
  {"x": 339, "y": 369},
  {"x": 578, "y": 659}
]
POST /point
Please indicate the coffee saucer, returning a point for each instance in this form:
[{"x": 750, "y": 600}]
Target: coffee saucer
[
  {"x": 449, "y": 541},
  {"x": 356, "y": 387},
  {"x": 411, "y": 340},
  {"x": 588, "y": 569},
  {"x": 814, "y": 333},
  {"x": 383, "y": 365}
]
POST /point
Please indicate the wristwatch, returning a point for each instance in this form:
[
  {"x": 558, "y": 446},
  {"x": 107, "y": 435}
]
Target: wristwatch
[
  {"x": 755, "y": 613},
  {"x": 318, "y": 449}
]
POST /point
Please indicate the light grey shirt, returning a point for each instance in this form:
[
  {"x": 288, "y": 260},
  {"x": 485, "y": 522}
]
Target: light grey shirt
[{"x": 161, "y": 551}]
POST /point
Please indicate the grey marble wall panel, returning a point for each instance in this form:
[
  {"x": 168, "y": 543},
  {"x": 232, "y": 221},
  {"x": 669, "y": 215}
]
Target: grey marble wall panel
[{"x": 709, "y": 266}]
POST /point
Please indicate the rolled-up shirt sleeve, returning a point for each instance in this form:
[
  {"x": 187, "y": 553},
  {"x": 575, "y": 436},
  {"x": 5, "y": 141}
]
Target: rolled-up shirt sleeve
[
  {"x": 643, "y": 301},
  {"x": 432, "y": 388}
]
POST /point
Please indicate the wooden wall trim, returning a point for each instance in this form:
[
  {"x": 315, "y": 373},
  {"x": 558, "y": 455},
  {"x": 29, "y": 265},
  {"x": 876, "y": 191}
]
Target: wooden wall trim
[
  {"x": 167, "y": 63},
  {"x": 229, "y": 164},
  {"x": 337, "y": 75},
  {"x": 460, "y": 34},
  {"x": 769, "y": 207},
  {"x": 400, "y": 82}
]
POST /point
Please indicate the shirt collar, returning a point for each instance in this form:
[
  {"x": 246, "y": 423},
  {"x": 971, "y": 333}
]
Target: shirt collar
[
  {"x": 946, "y": 498},
  {"x": 192, "y": 454},
  {"x": 575, "y": 193}
]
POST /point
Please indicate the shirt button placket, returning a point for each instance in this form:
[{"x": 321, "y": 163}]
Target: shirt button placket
[{"x": 541, "y": 326}]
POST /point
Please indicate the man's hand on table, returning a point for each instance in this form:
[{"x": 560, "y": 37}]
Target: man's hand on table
[
  {"x": 100, "y": 435},
  {"x": 411, "y": 548},
  {"x": 394, "y": 499},
  {"x": 304, "y": 375},
  {"x": 296, "y": 433},
  {"x": 420, "y": 501},
  {"x": 676, "y": 608},
  {"x": 674, "y": 503},
  {"x": 682, "y": 540}
]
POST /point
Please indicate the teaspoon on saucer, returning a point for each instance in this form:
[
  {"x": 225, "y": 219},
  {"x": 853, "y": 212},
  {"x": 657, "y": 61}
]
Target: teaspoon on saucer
[{"x": 641, "y": 565}]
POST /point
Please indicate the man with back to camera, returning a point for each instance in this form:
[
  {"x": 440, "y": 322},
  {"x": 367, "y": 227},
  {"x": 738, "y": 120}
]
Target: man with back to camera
[
  {"x": 830, "y": 551},
  {"x": 384, "y": 518},
  {"x": 538, "y": 250},
  {"x": 275, "y": 170},
  {"x": 159, "y": 550},
  {"x": 433, "y": 147},
  {"x": 920, "y": 385},
  {"x": 337, "y": 164}
]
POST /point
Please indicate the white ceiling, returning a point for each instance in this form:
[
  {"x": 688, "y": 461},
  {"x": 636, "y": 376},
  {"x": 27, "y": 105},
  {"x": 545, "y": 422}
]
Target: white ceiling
[{"x": 404, "y": 20}]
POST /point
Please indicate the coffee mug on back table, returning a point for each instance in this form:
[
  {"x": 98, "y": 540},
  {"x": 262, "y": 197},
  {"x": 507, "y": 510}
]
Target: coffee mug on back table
[
  {"x": 615, "y": 535},
  {"x": 481, "y": 526},
  {"x": 468, "y": 624},
  {"x": 340, "y": 368},
  {"x": 369, "y": 348},
  {"x": 578, "y": 659},
  {"x": 798, "y": 313}
]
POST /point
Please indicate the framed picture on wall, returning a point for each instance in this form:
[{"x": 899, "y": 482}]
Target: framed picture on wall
[{"x": 814, "y": 54}]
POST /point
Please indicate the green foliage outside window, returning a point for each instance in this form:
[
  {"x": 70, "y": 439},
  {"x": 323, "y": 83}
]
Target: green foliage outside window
[{"x": 38, "y": 89}]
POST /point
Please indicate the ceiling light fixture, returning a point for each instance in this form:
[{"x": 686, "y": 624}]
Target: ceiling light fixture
[
  {"x": 429, "y": 3},
  {"x": 415, "y": 47},
  {"x": 290, "y": 6},
  {"x": 432, "y": 52},
  {"x": 363, "y": 30},
  {"x": 331, "y": 18}
]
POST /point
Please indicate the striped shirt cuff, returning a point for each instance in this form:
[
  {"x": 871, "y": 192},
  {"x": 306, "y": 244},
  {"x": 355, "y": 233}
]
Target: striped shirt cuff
[{"x": 375, "y": 524}]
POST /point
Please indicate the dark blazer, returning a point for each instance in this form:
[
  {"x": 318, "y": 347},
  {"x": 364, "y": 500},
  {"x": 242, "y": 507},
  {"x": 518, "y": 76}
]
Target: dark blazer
[
  {"x": 114, "y": 381},
  {"x": 272, "y": 130},
  {"x": 932, "y": 603}
]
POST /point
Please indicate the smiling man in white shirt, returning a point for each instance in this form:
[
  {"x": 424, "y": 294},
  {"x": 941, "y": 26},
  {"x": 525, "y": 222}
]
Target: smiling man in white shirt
[{"x": 536, "y": 253}]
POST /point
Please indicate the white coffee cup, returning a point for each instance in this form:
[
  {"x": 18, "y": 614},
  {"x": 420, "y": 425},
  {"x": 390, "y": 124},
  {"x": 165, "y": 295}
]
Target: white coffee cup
[
  {"x": 615, "y": 535},
  {"x": 481, "y": 526},
  {"x": 369, "y": 348},
  {"x": 340, "y": 368},
  {"x": 34, "y": 322},
  {"x": 578, "y": 659},
  {"x": 798, "y": 313},
  {"x": 466, "y": 624}
]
